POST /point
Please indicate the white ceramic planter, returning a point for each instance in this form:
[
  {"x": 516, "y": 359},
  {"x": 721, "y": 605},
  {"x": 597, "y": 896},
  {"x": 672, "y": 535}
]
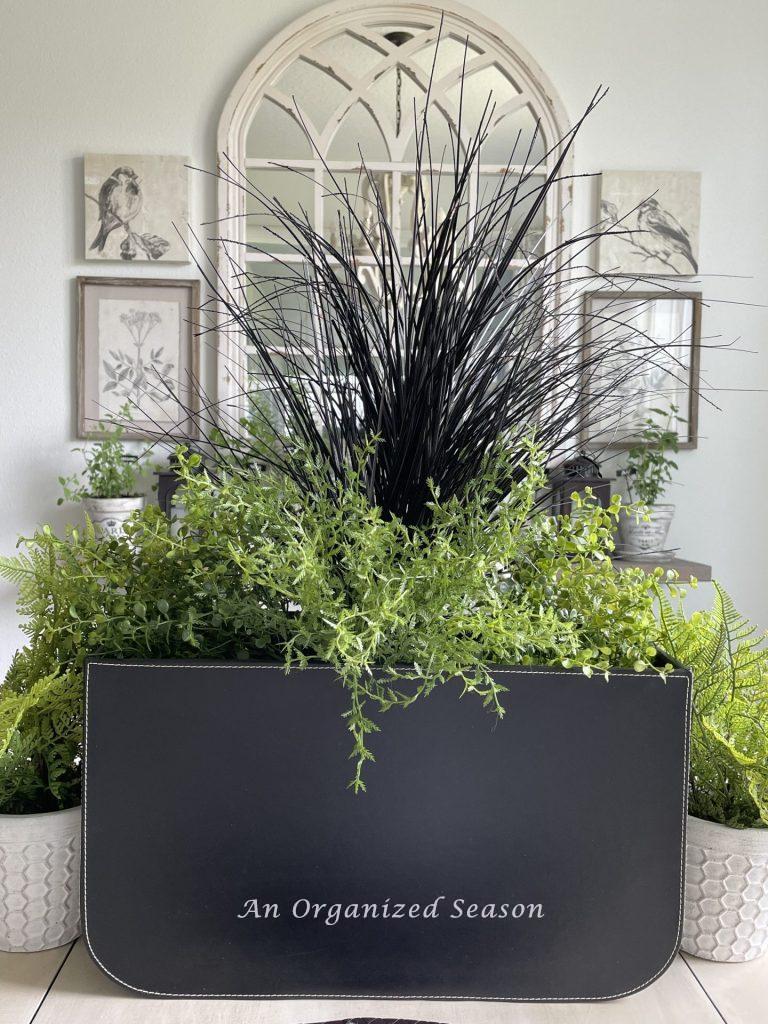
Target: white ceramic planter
[
  {"x": 640, "y": 539},
  {"x": 726, "y": 892},
  {"x": 108, "y": 515},
  {"x": 39, "y": 880}
]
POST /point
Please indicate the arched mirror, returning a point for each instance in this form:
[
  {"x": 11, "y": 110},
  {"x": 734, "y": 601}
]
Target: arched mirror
[{"x": 342, "y": 82}]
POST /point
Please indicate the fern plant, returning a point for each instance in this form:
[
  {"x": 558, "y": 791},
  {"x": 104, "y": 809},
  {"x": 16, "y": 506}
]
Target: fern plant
[
  {"x": 40, "y": 698},
  {"x": 729, "y": 729},
  {"x": 40, "y": 737}
]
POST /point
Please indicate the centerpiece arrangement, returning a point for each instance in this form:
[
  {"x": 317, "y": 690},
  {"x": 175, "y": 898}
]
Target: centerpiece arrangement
[{"x": 371, "y": 538}]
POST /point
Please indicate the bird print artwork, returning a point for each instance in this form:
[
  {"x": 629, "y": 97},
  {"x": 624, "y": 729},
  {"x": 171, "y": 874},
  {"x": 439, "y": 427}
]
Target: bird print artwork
[
  {"x": 652, "y": 220},
  {"x": 136, "y": 207},
  {"x": 665, "y": 236},
  {"x": 119, "y": 201}
]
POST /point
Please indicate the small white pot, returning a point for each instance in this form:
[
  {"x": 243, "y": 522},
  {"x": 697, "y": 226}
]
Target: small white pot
[
  {"x": 39, "y": 880},
  {"x": 640, "y": 539},
  {"x": 726, "y": 892},
  {"x": 109, "y": 515}
]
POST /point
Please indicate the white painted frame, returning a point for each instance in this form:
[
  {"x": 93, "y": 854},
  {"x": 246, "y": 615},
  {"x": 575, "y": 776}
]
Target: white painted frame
[{"x": 302, "y": 35}]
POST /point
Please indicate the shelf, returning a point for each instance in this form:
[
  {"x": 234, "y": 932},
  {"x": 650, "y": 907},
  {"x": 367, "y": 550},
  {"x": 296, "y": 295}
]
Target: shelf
[{"x": 682, "y": 566}]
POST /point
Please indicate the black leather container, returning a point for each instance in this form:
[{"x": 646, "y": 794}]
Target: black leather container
[{"x": 536, "y": 858}]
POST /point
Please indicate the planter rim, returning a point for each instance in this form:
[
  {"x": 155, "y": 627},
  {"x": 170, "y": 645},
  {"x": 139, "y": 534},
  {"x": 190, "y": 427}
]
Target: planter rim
[
  {"x": 39, "y": 827},
  {"x": 661, "y": 507},
  {"x": 123, "y": 497},
  {"x": 40, "y": 815},
  {"x": 711, "y": 835}
]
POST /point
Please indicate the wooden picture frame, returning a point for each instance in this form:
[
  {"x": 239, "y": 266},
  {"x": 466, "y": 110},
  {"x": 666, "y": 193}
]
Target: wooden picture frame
[
  {"x": 132, "y": 334},
  {"x": 688, "y": 348}
]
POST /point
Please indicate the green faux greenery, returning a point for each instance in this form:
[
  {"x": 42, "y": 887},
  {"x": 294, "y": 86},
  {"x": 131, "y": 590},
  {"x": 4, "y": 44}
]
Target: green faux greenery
[
  {"x": 40, "y": 735},
  {"x": 110, "y": 471},
  {"x": 729, "y": 728},
  {"x": 259, "y": 568},
  {"x": 649, "y": 467}
]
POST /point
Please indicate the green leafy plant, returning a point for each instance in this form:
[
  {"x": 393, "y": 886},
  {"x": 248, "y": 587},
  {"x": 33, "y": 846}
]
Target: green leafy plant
[
  {"x": 110, "y": 471},
  {"x": 40, "y": 736},
  {"x": 649, "y": 467},
  {"x": 729, "y": 728},
  {"x": 262, "y": 567}
]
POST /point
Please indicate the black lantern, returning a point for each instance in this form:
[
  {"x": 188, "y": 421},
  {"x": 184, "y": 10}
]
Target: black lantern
[{"x": 577, "y": 474}]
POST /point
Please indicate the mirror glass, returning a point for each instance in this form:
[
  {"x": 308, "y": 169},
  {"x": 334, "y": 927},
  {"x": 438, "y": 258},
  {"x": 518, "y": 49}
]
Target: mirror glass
[
  {"x": 363, "y": 89},
  {"x": 667, "y": 391}
]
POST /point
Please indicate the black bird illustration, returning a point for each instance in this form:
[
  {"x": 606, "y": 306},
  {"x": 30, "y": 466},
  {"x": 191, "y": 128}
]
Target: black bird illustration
[
  {"x": 664, "y": 236},
  {"x": 119, "y": 201}
]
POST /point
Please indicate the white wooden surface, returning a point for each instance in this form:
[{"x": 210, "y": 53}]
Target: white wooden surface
[
  {"x": 65, "y": 987},
  {"x": 740, "y": 994},
  {"x": 24, "y": 981}
]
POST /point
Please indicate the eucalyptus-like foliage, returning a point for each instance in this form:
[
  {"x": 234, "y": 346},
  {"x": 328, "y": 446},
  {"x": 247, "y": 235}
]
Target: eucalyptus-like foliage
[
  {"x": 468, "y": 334},
  {"x": 262, "y": 567},
  {"x": 729, "y": 730}
]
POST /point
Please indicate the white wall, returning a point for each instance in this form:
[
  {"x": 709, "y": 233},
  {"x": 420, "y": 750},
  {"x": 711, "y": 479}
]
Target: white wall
[{"x": 689, "y": 82}]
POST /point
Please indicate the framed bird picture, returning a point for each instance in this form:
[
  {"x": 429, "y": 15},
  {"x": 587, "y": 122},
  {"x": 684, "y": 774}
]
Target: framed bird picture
[
  {"x": 136, "y": 208},
  {"x": 655, "y": 216},
  {"x": 138, "y": 349}
]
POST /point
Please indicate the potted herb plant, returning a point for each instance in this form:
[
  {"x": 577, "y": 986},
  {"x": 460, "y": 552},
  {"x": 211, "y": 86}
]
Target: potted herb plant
[
  {"x": 40, "y": 734},
  {"x": 648, "y": 470},
  {"x": 726, "y": 905},
  {"x": 107, "y": 486}
]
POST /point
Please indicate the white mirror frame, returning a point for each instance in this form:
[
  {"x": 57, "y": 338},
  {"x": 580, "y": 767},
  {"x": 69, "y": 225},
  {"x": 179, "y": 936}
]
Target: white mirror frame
[{"x": 301, "y": 36}]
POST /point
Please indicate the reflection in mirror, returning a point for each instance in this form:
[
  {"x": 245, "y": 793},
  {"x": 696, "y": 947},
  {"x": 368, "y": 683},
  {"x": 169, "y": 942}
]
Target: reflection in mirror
[
  {"x": 628, "y": 320},
  {"x": 276, "y": 134},
  {"x": 358, "y": 132},
  {"x": 362, "y": 89},
  {"x": 518, "y": 127},
  {"x": 363, "y": 190},
  {"x": 362, "y": 92},
  {"x": 528, "y": 192},
  {"x": 294, "y": 189},
  {"x": 314, "y": 91}
]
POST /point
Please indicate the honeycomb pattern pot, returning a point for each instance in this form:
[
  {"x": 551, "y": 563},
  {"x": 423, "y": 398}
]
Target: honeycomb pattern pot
[
  {"x": 39, "y": 880},
  {"x": 726, "y": 892}
]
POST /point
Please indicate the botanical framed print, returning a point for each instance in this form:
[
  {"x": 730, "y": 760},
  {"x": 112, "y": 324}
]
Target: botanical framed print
[
  {"x": 135, "y": 207},
  {"x": 133, "y": 334},
  {"x": 656, "y": 214},
  {"x": 627, "y": 321}
]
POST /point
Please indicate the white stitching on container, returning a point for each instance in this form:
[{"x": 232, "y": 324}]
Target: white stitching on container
[{"x": 306, "y": 995}]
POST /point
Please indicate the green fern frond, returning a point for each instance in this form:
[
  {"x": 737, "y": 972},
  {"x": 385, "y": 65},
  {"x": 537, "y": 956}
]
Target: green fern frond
[{"x": 729, "y": 731}]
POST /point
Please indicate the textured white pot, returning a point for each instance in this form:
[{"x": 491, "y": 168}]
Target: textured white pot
[
  {"x": 108, "y": 515},
  {"x": 39, "y": 880},
  {"x": 640, "y": 539},
  {"x": 726, "y": 892}
]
